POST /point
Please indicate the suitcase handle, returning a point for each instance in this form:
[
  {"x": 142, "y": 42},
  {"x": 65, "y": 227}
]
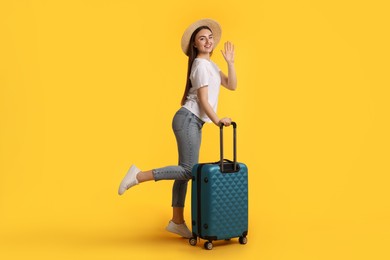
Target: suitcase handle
[{"x": 234, "y": 146}]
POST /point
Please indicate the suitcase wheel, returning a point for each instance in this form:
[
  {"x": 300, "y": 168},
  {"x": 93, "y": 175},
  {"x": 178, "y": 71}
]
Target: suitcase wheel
[
  {"x": 242, "y": 240},
  {"x": 192, "y": 241},
  {"x": 208, "y": 245}
]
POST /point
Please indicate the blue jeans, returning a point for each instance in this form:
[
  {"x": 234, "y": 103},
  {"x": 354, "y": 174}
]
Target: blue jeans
[{"x": 188, "y": 131}]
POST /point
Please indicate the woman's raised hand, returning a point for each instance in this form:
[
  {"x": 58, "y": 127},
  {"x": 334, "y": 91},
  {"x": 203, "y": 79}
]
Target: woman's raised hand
[{"x": 228, "y": 54}]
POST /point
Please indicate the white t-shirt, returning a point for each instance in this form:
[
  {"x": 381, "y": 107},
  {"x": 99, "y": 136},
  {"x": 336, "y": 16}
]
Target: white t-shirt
[{"x": 203, "y": 73}]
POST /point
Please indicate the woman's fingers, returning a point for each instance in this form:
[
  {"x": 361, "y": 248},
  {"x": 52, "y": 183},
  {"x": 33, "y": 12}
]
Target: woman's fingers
[
  {"x": 223, "y": 54},
  {"x": 228, "y": 52},
  {"x": 226, "y": 121},
  {"x": 229, "y": 47}
]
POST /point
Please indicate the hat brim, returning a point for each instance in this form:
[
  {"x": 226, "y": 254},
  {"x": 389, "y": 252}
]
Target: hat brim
[{"x": 212, "y": 24}]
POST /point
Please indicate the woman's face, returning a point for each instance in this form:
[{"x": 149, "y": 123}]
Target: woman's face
[{"x": 204, "y": 41}]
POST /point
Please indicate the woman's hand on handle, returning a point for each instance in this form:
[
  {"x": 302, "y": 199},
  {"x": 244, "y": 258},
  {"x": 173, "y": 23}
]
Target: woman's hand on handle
[{"x": 226, "y": 121}]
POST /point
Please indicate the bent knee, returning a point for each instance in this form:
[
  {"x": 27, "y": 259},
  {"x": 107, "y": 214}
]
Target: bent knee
[{"x": 188, "y": 173}]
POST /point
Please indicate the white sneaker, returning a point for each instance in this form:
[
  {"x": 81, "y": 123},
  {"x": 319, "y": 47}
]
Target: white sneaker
[
  {"x": 129, "y": 180},
  {"x": 179, "y": 229}
]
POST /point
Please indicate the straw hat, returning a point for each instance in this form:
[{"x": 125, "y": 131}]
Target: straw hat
[{"x": 212, "y": 24}]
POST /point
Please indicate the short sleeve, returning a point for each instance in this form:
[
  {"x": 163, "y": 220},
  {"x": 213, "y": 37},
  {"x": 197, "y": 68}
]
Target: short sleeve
[{"x": 200, "y": 76}]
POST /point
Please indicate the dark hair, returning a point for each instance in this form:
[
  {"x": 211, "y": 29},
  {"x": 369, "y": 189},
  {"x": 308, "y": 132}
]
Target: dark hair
[{"x": 192, "y": 52}]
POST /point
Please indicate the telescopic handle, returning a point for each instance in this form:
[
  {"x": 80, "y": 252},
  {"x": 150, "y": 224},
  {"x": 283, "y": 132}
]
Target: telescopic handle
[{"x": 234, "y": 145}]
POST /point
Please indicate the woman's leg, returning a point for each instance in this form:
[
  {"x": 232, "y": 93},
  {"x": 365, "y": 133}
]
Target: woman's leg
[
  {"x": 179, "y": 192},
  {"x": 145, "y": 176},
  {"x": 188, "y": 141},
  {"x": 178, "y": 215},
  {"x": 135, "y": 176},
  {"x": 188, "y": 129},
  {"x": 188, "y": 132},
  {"x": 148, "y": 176}
]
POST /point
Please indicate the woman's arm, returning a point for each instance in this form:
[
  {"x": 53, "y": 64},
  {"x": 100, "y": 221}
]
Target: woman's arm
[
  {"x": 203, "y": 97},
  {"x": 230, "y": 81}
]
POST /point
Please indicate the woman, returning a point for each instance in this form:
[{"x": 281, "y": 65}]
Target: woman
[{"x": 199, "y": 105}]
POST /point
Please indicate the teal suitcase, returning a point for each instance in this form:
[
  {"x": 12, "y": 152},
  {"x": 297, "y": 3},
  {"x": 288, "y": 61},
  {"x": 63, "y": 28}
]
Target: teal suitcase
[{"x": 219, "y": 203}]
